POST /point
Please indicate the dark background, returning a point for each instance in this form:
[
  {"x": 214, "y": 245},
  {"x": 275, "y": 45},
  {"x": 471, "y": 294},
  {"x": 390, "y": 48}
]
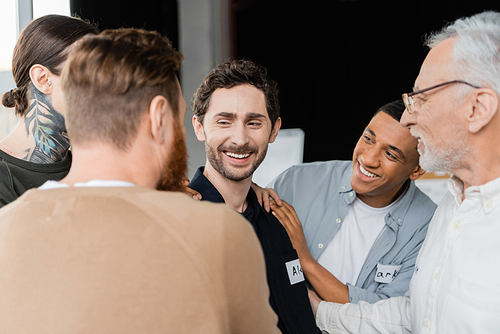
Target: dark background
[
  {"x": 159, "y": 15},
  {"x": 336, "y": 61}
]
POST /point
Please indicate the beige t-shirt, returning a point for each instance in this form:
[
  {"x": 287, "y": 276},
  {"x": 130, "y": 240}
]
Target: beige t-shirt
[{"x": 129, "y": 260}]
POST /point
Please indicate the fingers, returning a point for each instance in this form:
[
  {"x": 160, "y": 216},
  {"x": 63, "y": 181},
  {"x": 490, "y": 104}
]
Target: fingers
[
  {"x": 193, "y": 193},
  {"x": 289, "y": 207},
  {"x": 268, "y": 196},
  {"x": 289, "y": 222},
  {"x": 282, "y": 217},
  {"x": 267, "y": 202},
  {"x": 292, "y": 226},
  {"x": 265, "y": 196},
  {"x": 185, "y": 181},
  {"x": 262, "y": 196},
  {"x": 280, "y": 209},
  {"x": 259, "y": 199},
  {"x": 289, "y": 211},
  {"x": 284, "y": 220},
  {"x": 274, "y": 195}
]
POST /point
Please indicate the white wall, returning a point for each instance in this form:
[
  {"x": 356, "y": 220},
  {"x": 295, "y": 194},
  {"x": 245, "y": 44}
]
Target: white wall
[{"x": 203, "y": 30}]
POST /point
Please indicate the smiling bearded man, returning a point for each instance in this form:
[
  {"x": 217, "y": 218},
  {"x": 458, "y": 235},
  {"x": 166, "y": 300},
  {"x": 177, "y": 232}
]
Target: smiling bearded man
[
  {"x": 237, "y": 159},
  {"x": 237, "y": 115}
]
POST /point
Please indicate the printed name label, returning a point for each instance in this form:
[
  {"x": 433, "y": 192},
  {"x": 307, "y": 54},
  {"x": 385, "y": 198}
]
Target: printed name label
[
  {"x": 294, "y": 270},
  {"x": 386, "y": 273}
]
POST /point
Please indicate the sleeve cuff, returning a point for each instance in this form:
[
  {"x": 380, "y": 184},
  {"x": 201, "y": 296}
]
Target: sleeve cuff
[
  {"x": 326, "y": 315},
  {"x": 357, "y": 294}
]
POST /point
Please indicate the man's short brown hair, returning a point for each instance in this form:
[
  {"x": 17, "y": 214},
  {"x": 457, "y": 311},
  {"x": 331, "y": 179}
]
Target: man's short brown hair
[
  {"x": 232, "y": 73},
  {"x": 110, "y": 80}
]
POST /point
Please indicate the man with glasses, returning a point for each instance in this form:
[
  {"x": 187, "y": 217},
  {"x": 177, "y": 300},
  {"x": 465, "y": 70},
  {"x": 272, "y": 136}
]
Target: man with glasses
[{"x": 454, "y": 114}]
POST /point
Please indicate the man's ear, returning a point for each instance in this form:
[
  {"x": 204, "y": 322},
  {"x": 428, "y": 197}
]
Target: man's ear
[
  {"x": 416, "y": 173},
  {"x": 198, "y": 128},
  {"x": 158, "y": 110},
  {"x": 41, "y": 77},
  {"x": 484, "y": 108},
  {"x": 274, "y": 132}
]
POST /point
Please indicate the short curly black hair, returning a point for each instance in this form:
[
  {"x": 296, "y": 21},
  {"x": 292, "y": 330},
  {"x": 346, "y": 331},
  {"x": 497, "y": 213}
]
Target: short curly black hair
[
  {"x": 395, "y": 109},
  {"x": 232, "y": 73}
]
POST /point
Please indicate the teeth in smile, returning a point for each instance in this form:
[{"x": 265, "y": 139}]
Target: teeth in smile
[
  {"x": 365, "y": 172},
  {"x": 237, "y": 156}
]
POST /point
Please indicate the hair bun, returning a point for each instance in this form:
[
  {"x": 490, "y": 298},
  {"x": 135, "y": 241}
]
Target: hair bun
[{"x": 9, "y": 98}]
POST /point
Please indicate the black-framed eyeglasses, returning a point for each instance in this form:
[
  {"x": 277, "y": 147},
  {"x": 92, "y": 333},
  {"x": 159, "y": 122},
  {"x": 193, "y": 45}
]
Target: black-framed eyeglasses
[{"x": 409, "y": 100}]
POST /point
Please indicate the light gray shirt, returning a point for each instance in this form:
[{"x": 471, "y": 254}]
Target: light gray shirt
[{"x": 321, "y": 193}]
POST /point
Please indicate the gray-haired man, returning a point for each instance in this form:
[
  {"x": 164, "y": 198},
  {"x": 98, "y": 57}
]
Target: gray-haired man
[{"x": 454, "y": 113}]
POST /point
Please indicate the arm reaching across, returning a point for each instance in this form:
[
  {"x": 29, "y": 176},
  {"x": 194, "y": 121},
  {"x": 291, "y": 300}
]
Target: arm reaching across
[
  {"x": 325, "y": 284},
  {"x": 388, "y": 316}
]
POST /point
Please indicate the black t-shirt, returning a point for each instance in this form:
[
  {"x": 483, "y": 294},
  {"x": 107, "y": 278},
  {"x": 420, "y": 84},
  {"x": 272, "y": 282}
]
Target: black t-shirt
[
  {"x": 289, "y": 301},
  {"x": 17, "y": 176}
]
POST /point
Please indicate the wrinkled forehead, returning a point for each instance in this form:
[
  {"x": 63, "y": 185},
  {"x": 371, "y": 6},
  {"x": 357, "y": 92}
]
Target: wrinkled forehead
[{"x": 241, "y": 101}]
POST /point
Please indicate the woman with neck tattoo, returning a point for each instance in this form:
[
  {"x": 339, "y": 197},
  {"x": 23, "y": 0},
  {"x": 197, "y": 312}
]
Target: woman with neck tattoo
[{"x": 37, "y": 149}]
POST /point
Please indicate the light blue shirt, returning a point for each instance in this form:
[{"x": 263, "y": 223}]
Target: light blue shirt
[{"x": 321, "y": 193}]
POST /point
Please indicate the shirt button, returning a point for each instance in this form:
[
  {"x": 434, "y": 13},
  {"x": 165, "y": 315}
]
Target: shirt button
[
  {"x": 427, "y": 323},
  {"x": 338, "y": 220},
  {"x": 456, "y": 226},
  {"x": 343, "y": 188},
  {"x": 489, "y": 204},
  {"x": 436, "y": 275},
  {"x": 399, "y": 220},
  {"x": 320, "y": 245},
  {"x": 351, "y": 194}
]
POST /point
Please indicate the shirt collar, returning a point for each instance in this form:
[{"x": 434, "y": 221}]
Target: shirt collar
[
  {"x": 398, "y": 212},
  {"x": 488, "y": 193},
  {"x": 207, "y": 190},
  {"x": 456, "y": 187},
  {"x": 51, "y": 184},
  {"x": 209, "y": 193},
  {"x": 345, "y": 183}
]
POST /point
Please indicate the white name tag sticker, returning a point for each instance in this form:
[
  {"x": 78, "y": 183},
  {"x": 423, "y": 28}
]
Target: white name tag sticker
[
  {"x": 386, "y": 273},
  {"x": 294, "y": 270}
]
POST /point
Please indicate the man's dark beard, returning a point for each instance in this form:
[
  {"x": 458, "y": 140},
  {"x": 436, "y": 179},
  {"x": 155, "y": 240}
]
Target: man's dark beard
[
  {"x": 218, "y": 165},
  {"x": 176, "y": 166}
]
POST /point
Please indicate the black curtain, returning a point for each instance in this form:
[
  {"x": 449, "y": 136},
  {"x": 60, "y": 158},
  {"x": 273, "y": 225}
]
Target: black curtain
[
  {"x": 336, "y": 62},
  {"x": 158, "y": 15}
]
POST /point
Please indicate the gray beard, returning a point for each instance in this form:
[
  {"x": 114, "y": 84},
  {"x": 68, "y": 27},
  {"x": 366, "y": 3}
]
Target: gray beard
[{"x": 444, "y": 160}]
